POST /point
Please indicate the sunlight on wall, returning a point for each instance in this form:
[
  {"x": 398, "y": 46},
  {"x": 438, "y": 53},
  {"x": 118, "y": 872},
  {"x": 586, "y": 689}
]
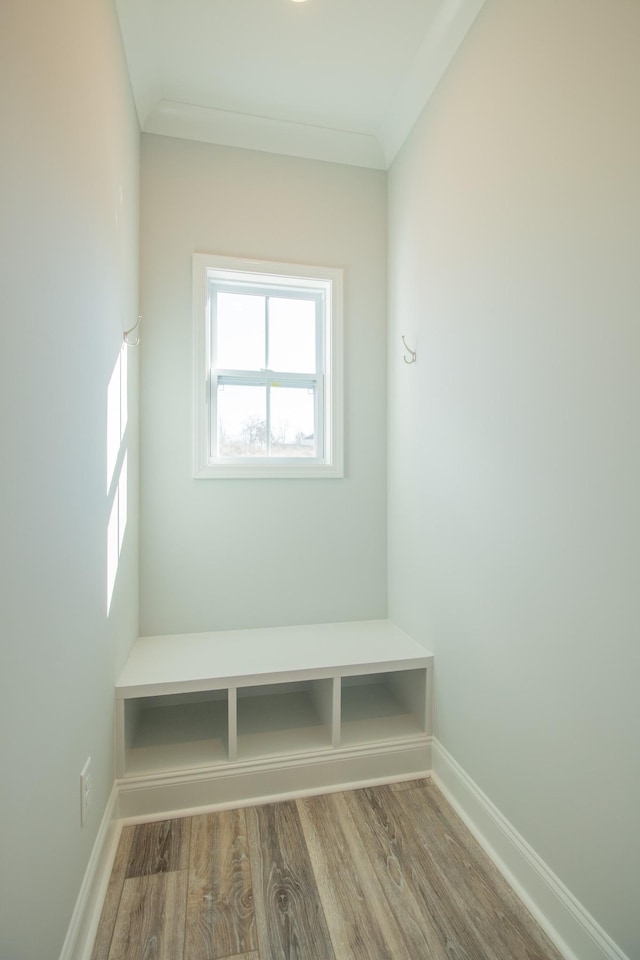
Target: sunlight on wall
[
  {"x": 117, "y": 413},
  {"x": 117, "y": 417}
]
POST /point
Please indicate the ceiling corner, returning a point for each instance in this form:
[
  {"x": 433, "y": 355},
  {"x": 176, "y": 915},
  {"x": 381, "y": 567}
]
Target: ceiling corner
[{"x": 138, "y": 26}]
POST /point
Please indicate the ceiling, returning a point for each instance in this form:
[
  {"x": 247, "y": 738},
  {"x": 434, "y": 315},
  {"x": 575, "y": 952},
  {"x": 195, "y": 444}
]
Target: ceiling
[{"x": 338, "y": 80}]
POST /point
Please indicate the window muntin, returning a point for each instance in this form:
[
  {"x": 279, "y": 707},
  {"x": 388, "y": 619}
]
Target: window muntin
[{"x": 272, "y": 369}]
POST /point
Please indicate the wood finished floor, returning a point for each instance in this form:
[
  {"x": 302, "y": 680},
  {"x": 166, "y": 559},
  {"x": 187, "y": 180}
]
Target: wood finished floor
[{"x": 383, "y": 873}]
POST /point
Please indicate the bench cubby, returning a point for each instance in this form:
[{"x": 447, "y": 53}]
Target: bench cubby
[
  {"x": 383, "y": 706},
  {"x": 175, "y": 731},
  {"x": 283, "y": 718}
]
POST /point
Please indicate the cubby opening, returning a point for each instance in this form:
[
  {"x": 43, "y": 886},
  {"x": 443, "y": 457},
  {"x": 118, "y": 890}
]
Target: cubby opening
[
  {"x": 285, "y": 718},
  {"x": 383, "y": 706},
  {"x": 176, "y": 731}
]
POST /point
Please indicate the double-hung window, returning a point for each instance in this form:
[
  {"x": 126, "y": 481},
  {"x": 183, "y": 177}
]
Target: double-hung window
[{"x": 268, "y": 364}]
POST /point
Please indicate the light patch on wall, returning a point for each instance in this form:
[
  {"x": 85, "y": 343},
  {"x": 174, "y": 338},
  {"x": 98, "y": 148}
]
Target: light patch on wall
[
  {"x": 117, "y": 418},
  {"x": 122, "y": 503},
  {"x": 117, "y": 412},
  {"x": 113, "y": 551}
]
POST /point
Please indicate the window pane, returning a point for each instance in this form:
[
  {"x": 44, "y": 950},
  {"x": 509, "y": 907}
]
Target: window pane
[
  {"x": 292, "y": 422},
  {"x": 292, "y": 335},
  {"x": 242, "y": 421},
  {"x": 240, "y": 332}
]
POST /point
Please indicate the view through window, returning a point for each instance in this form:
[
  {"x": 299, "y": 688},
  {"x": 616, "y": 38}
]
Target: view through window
[
  {"x": 268, "y": 350},
  {"x": 266, "y": 387}
]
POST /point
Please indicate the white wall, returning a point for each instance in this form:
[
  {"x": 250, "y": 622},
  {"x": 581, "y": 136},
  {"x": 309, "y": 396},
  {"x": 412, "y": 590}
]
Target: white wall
[
  {"x": 68, "y": 266},
  {"x": 235, "y": 553},
  {"x": 514, "y": 519}
]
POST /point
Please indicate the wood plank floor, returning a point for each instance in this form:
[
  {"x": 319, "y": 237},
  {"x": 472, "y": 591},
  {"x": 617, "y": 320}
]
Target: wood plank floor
[{"x": 382, "y": 873}]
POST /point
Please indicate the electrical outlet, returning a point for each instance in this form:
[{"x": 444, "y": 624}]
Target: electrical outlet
[{"x": 85, "y": 792}]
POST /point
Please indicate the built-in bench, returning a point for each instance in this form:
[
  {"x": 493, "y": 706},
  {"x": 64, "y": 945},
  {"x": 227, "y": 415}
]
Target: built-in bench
[{"x": 230, "y": 716}]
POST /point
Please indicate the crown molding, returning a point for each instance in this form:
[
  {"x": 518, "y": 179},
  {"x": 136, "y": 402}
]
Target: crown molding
[{"x": 224, "y": 127}]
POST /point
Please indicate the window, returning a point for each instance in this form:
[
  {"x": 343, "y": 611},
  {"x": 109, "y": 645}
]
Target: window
[{"x": 268, "y": 369}]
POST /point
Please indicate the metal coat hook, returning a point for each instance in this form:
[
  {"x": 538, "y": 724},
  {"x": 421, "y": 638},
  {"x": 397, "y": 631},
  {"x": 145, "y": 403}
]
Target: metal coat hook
[
  {"x": 127, "y": 333},
  {"x": 409, "y": 350}
]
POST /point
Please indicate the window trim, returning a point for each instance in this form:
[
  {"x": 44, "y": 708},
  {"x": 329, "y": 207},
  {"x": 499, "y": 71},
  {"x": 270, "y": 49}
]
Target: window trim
[{"x": 330, "y": 280}]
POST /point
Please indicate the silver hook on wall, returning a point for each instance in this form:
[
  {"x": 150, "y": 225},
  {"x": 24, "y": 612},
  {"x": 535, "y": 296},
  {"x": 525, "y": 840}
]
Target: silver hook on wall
[
  {"x": 127, "y": 333},
  {"x": 409, "y": 350}
]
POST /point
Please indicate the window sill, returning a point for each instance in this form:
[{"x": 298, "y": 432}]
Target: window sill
[{"x": 287, "y": 470}]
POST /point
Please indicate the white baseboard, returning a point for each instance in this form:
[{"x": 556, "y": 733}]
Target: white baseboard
[
  {"x": 86, "y": 915},
  {"x": 276, "y": 798},
  {"x": 235, "y": 784},
  {"x": 566, "y": 922}
]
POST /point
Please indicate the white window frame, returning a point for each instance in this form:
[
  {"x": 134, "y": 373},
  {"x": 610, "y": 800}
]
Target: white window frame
[{"x": 327, "y": 283}]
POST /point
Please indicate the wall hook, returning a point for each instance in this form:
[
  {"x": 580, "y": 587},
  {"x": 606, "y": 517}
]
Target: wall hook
[
  {"x": 127, "y": 333},
  {"x": 412, "y": 352}
]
